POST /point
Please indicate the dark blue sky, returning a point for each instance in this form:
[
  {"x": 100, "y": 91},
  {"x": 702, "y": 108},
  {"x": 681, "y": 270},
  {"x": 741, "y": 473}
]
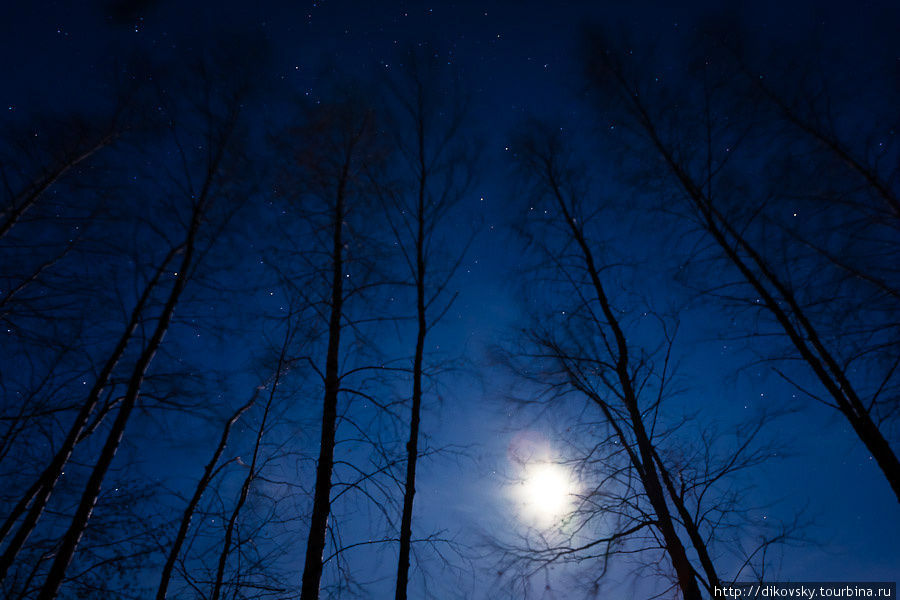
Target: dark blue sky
[{"x": 517, "y": 59}]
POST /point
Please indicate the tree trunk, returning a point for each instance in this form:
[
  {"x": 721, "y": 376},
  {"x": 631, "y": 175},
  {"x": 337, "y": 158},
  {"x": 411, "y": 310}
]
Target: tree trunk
[
  {"x": 693, "y": 531},
  {"x": 684, "y": 571},
  {"x": 645, "y": 466},
  {"x": 208, "y": 473},
  {"x": 251, "y": 475},
  {"x": 91, "y": 491},
  {"x": 805, "y": 337},
  {"x": 412, "y": 445},
  {"x": 315, "y": 543},
  {"x": 39, "y": 493}
]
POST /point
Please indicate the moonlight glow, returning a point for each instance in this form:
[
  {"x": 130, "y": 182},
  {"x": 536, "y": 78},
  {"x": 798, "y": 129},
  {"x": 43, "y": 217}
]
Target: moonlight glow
[{"x": 546, "y": 492}]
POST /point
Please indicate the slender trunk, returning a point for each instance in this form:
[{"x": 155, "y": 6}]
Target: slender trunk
[
  {"x": 684, "y": 571},
  {"x": 208, "y": 473},
  {"x": 693, "y": 531},
  {"x": 412, "y": 445},
  {"x": 251, "y": 475},
  {"x": 650, "y": 482},
  {"x": 814, "y": 352},
  {"x": 38, "y": 494},
  {"x": 91, "y": 491},
  {"x": 412, "y": 453},
  {"x": 646, "y": 468},
  {"x": 315, "y": 544},
  {"x": 805, "y": 338},
  {"x": 880, "y": 448}
]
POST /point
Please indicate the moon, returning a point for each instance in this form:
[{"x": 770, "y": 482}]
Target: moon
[{"x": 546, "y": 493}]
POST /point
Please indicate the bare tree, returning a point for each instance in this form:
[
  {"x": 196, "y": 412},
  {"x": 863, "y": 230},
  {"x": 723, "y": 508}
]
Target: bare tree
[
  {"x": 652, "y": 482},
  {"x": 440, "y": 166},
  {"x": 53, "y": 203},
  {"x": 255, "y": 462},
  {"x": 35, "y": 498},
  {"x": 602, "y": 365},
  {"x": 334, "y": 158},
  {"x": 200, "y": 197},
  {"x": 212, "y": 468},
  {"x": 700, "y": 164},
  {"x": 233, "y": 547}
]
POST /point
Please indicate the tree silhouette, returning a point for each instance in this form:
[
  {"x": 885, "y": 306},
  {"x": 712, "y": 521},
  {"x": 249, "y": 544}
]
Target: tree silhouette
[
  {"x": 335, "y": 156},
  {"x": 646, "y": 492},
  {"x": 601, "y": 365},
  {"x": 708, "y": 149},
  {"x": 439, "y": 165}
]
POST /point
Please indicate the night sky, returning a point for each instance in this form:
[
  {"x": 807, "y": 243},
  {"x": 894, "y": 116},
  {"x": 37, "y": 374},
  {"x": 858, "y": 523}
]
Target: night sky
[{"x": 489, "y": 411}]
